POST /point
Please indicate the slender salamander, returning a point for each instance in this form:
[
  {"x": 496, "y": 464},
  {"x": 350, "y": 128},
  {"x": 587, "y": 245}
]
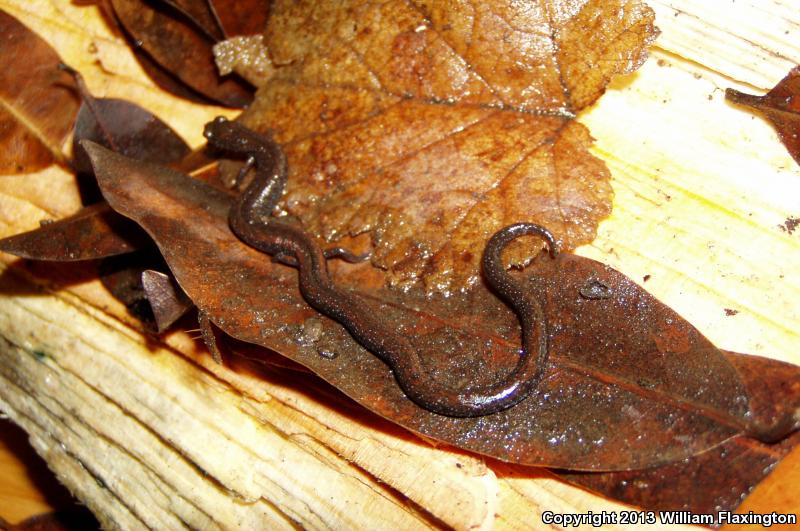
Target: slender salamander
[{"x": 252, "y": 221}]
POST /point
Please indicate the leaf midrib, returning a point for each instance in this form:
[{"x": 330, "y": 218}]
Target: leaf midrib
[{"x": 30, "y": 125}]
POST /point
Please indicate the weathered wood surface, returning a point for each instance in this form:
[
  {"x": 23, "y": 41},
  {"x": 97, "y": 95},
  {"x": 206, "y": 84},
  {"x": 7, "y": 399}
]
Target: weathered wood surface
[{"x": 152, "y": 434}]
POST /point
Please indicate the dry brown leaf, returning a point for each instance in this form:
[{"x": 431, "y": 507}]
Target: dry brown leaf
[
  {"x": 200, "y": 14},
  {"x": 241, "y": 17},
  {"x": 35, "y": 115},
  {"x": 178, "y": 46},
  {"x": 431, "y": 125}
]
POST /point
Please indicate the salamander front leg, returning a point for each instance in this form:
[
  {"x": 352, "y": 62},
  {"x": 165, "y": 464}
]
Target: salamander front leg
[{"x": 347, "y": 255}]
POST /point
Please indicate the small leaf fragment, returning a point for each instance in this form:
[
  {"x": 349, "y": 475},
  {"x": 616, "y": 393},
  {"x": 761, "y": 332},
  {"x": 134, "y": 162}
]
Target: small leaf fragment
[
  {"x": 247, "y": 56},
  {"x": 37, "y": 100},
  {"x": 93, "y": 232},
  {"x": 781, "y": 106},
  {"x": 124, "y": 275},
  {"x": 167, "y": 300}
]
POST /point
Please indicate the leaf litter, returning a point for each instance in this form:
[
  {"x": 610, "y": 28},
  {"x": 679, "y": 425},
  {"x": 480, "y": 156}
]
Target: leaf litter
[{"x": 355, "y": 99}]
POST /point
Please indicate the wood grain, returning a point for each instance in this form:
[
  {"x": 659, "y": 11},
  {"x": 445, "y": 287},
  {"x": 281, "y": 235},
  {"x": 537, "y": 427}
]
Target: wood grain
[{"x": 152, "y": 434}]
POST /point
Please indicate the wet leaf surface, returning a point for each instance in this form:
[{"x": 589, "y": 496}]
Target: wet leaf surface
[
  {"x": 179, "y": 48},
  {"x": 630, "y": 384},
  {"x": 431, "y": 126},
  {"x": 781, "y": 106},
  {"x": 37, "y": 115},
  {"x": 717, "y": 480}
]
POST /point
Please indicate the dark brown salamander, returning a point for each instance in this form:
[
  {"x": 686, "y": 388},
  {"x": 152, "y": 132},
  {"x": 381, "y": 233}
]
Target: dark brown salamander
[{"x": 251, "y": 220}]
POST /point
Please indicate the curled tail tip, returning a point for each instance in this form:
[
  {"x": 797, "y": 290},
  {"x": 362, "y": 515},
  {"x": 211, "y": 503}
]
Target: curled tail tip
[{"x": 509, "y": 233}]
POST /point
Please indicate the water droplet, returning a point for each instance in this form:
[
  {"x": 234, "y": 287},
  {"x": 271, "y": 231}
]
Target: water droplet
[
  {"x": 328, "y": 354},
  {"x": 595, "y": 289},
  {"x": 311, "y": 331}
]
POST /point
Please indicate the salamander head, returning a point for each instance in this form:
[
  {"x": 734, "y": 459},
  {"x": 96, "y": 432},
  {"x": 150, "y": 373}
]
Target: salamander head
[
  {"x": 220, "y": 129},
  {"x": 233, "y": 136}
]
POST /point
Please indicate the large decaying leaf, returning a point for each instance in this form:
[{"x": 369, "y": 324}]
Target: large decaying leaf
[
  {"x": 717, "y": 480},
  {"x": 737, "y": 463},
  {"x": 781, "y": 106},
  {"x": 629, "y": 384},
  {"x": 431, "y": 125},
  {"x": 35, "y": 115}
]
